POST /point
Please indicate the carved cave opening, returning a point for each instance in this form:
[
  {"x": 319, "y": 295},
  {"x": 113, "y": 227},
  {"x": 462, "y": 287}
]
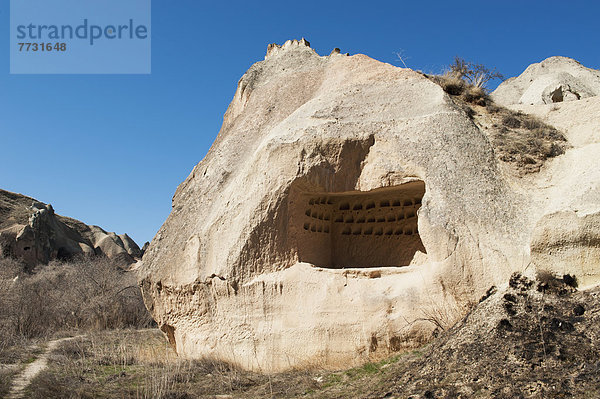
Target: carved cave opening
[
  {"x": 356, "y": 229},
  {"x": 557, "y": 95}
]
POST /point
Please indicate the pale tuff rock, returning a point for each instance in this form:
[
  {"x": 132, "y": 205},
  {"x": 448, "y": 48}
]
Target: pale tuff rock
[
  {"x": 553, "y": 80},
  {"x": 130, "y": 246},
  {"x": 566, "y": 236},
  {"x": 578, "y": 120},
  {"x": 35, "y": 234},
  {"x": 274, "y": 48},
  {"x": 346, "y": 208}
]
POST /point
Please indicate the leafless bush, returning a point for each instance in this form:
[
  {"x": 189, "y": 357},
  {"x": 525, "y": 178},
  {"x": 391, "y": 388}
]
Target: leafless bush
[
  {"x": 477, "y": 75},
  {"x": 467, "y": 81},
  {"x": 460, "y": 89},
  {"x": 80, "y": 294},
  {"x": 444, "y": 314}
]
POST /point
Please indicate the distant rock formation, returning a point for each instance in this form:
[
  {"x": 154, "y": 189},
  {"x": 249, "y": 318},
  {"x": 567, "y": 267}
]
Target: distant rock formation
[
  {"x": 554, "y": 80},
  {"x": 145, "y": 247},
  {"x": 32, "y": 232},
  {"x": 346, "y": 209}
]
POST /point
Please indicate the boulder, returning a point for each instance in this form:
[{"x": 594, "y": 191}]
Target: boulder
[{"x": 347, "y": 209}]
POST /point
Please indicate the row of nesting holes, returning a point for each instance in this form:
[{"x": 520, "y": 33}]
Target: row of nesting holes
[
  {"x": 316, "y": 228},
  {"x": 344, "y": 206},
  {"x": 367, "y": 231},
  {"x": 317, "y": 201},
  {"x": 361, "y": 219},
  {"x": 379, "y": 231}
]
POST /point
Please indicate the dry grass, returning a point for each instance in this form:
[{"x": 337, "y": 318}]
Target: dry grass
[
  {"x": 15, "y": 354},
  {"x": 522, "y": 141},
  {"x": 61, "y": 299},
  {"x": 6, "y": 376},
  {"x": 141, "y": 364},
  {"x": 535, "y": 337}
]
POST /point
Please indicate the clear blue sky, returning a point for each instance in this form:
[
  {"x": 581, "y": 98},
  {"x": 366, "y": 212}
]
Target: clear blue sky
[{"x": 111, "y": 149}]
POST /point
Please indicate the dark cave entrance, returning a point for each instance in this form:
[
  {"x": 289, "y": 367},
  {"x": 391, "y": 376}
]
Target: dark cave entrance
[{"x": 357, "y": 229}]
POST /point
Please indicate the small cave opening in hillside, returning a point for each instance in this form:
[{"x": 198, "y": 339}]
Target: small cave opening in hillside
[
  {"x": 557, "y": 95},
  {"x": 357, "y": 229},
  {"x": 563, "y": 93}
]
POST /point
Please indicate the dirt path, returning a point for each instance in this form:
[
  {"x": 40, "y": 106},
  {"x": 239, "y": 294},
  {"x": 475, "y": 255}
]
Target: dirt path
[{"x": 22, "y": 380}]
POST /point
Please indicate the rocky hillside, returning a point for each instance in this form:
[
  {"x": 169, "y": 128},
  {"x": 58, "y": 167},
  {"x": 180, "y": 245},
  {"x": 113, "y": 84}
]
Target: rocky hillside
[
  {"x": 31, "y": 231},
  {"x": 554, "y": 80},
  {"x": 346, "y": 200},
  {"x": 533, "y": 339},
  {"x": 527, "y": 339}
]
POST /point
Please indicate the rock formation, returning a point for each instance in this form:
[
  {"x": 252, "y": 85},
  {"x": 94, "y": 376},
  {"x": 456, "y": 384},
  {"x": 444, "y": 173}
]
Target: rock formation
[
  {"x": 145, "y": 247},
  {"x": 346, "y": 210},
  {"x": 566, "y": 238},
  {"x": 553, "y": 80},
  {"x": 31, "y": 231}
]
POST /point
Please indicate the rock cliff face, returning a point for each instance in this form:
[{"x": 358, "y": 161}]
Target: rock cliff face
[
  {"x": 346, "y": 209},
  {"x": 31, "y": 231}
]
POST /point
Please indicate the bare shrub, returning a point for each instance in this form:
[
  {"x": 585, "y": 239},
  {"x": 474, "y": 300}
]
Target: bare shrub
[
  {"x": 477, "y": 75},
  {"x": 443, "y": 315},
  {"x": 467, "y": 81},
  {"x": 460, "y": 89},
  {"x": 81, "y": 294}
]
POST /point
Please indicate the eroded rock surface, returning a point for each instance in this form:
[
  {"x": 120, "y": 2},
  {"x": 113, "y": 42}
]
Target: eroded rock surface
[
  {"x": 346, "y": 210},
  {"x": 554, "y": 80},
  {"x": 566, "y": 236},
  {"x": 31, "y": 231}
]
